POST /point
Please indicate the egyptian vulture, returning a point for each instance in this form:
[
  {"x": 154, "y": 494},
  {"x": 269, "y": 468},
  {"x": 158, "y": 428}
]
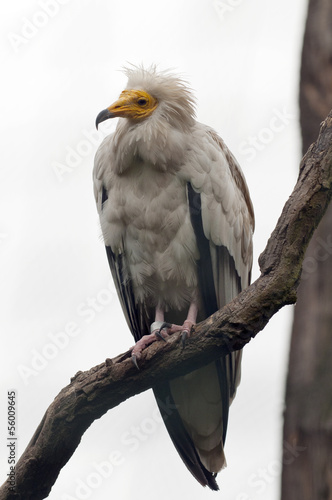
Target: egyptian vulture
[{"x": 177, "y": 222}]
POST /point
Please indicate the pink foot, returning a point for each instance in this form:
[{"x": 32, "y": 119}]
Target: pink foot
[
  {"x": 147, "y": 340},
  {"x": 167, "y": 329},
  {"x": 185, "y": 329}
]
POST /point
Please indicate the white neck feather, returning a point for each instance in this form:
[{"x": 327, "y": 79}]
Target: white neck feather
[{"x": 154, "y": 141}]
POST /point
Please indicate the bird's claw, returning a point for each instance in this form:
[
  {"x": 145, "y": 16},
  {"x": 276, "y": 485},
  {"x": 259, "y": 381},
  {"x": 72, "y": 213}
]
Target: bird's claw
[
  {"x": 134, "y": 360},
  {"x": 158, "y": 332},
  {"x": 147, "y": 340},
  {"x": 186, "y": 332},
  {"x": 159, "y": 335}
]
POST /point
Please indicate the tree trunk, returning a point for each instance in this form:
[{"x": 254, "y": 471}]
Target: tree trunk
[{"x": 307, "y": 451}]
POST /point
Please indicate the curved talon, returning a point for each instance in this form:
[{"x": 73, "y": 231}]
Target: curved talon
[
  {"x": 184, "y": 338},
  {"x": 134, "y": 360},
  {"x": 159, "y": 335},
  {"x": 158, "y": 332}
]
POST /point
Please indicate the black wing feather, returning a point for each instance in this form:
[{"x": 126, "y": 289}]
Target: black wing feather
[
  {"x": 137, "y": 316},
  {"x": 204, "y": 265},
  {"x": 180, "y": 437}
]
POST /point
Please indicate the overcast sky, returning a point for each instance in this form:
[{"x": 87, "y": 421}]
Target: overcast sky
[{"x": 60, "y": 68}]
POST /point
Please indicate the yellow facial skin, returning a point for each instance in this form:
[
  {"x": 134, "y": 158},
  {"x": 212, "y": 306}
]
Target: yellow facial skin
[{"x": 133, "y": 104}]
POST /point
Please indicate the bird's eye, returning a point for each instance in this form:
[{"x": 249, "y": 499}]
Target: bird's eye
[{"x": 142, "y": 101}]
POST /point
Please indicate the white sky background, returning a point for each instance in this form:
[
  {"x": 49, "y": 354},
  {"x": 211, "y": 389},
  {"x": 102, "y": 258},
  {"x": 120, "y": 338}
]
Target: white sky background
[{"x": 242, "y": 60}]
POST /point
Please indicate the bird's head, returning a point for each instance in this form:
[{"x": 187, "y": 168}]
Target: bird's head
[
  {"x": 148, "y": 94},
  {"x": 133, "y": 104}
]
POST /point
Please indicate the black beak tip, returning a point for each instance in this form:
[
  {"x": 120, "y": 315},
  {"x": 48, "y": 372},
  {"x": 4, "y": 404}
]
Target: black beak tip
[{"x": 105, "y": 114}]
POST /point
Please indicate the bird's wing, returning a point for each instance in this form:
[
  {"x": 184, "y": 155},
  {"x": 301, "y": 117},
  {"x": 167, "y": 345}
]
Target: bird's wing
[
  {"x": 223, "y": 221},
  {"x": 223, "y": 201},
  {"x": 138, "y": 317}
]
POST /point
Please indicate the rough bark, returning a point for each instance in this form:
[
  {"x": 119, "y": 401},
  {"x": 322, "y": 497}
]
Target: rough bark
[
  {"x": 91, "y": 394},
  {"x": 308, "y": 415}
]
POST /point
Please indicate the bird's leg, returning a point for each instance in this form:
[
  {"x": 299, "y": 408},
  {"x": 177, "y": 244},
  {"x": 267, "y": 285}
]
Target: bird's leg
[
  {"x": 157, "y": 326},
  {"x": 188, "y": 323}
]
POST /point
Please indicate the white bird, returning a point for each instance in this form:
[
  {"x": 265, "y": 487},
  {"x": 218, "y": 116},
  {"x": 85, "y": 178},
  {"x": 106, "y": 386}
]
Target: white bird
[{"x": 177, "y": 222}]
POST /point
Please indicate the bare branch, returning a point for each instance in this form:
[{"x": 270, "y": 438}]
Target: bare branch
[{"x": 91, "y": 394}]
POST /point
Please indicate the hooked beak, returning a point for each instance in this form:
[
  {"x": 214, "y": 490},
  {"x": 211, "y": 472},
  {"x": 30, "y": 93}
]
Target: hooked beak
[
  {"x": 121, "y": 107},
  {"x": 105, "y": 114}
]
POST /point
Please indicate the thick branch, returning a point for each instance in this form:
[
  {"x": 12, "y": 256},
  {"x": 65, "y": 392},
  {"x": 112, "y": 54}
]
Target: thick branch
[{"x": 91, "y": 394}]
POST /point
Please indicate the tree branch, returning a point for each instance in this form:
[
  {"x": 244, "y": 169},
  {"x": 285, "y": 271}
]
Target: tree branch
[{"x": 91, "y": 394}]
